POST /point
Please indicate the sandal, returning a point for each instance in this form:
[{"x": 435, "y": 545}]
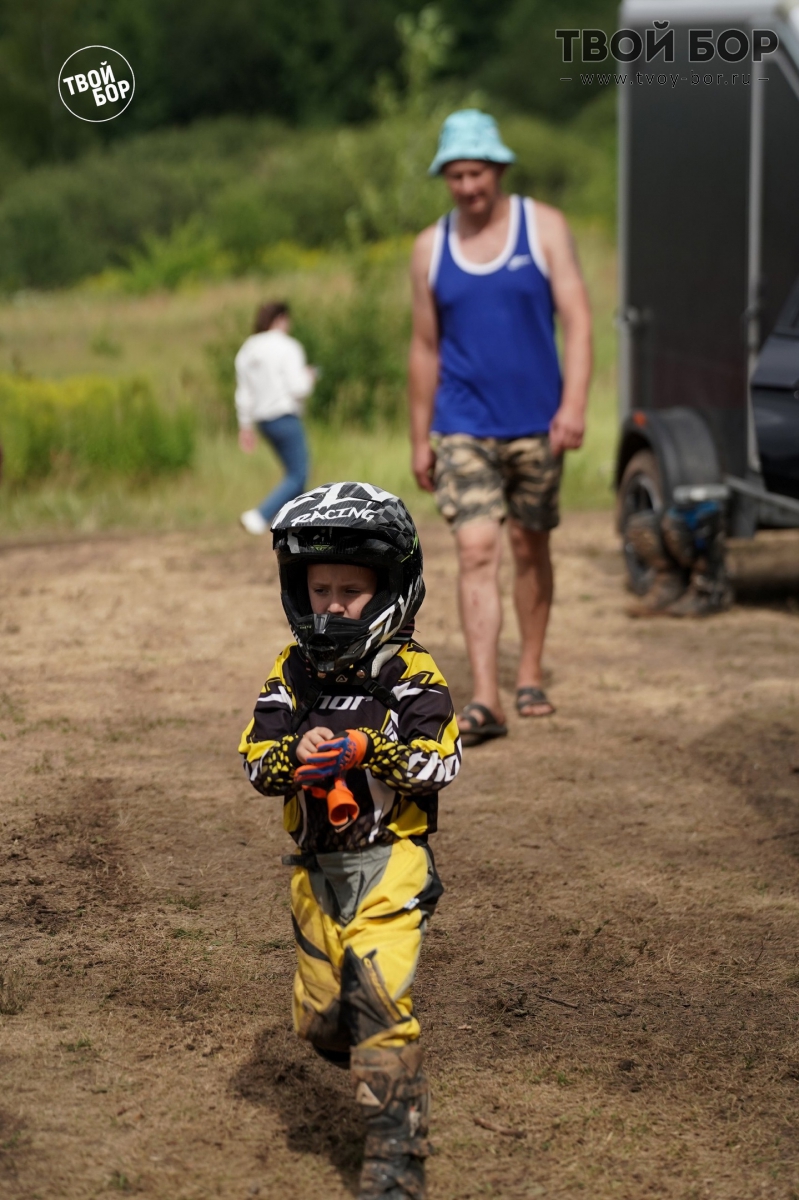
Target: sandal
[
  {"x": 529, "y": 696},
  {"x": 479, "y": 731}
]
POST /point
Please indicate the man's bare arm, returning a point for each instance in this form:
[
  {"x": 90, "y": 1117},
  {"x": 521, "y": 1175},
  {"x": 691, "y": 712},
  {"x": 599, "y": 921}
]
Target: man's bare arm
[
  {"x": 573, "y": 308},
  {"x": 422, "y": 362}
]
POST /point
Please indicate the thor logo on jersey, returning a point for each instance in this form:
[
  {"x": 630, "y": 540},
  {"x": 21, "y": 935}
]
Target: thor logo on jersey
[{"x": 339, "y": 703}]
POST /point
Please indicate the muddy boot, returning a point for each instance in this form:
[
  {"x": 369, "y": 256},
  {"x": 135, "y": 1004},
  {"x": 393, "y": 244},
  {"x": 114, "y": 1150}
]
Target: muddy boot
[
  {"x": 393, "y": 1095},
  {"x": 695, "y": 537},
  {"x": 708, "y": 592},
  {"x": 644, "y": 539}
]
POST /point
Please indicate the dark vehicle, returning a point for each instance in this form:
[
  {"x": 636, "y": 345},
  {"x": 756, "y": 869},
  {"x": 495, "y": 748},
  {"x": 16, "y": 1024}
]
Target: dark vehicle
[{"x": 709, "y": 267}]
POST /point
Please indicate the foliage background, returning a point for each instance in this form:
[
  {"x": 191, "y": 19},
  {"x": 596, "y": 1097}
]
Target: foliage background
[
  {"x": 270, "y": 150},
  {"x": 254, "y": 168},
  {"x": 313, "y": 62}
]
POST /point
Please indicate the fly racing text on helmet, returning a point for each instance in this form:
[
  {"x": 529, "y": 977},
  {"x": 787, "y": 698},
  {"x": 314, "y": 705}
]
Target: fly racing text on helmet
[{"x": 348, "y": 523}]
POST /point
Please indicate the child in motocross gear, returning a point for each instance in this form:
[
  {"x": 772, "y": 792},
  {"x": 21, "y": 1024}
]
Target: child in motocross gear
[{"x": 356, "y": 703}]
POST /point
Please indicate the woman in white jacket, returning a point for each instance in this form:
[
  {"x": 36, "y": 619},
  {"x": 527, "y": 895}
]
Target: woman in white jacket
[{"x": 272, "y": 381}]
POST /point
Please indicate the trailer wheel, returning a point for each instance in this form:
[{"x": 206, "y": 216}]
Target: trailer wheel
[{"x": 640, "y": 490}]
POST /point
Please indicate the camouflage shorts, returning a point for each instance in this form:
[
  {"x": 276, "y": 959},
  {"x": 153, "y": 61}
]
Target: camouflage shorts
[{"x": 493, "y": 478}]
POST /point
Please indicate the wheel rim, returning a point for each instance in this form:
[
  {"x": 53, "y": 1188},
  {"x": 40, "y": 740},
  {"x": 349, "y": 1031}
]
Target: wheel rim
[{"x": 640, "y": 495}]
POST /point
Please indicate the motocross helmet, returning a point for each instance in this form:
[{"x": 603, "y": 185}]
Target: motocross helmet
[{"x": 348, "y": 523}]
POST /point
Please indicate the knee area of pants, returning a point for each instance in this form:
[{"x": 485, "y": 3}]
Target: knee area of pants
[{"x": 367, "y": 1009}]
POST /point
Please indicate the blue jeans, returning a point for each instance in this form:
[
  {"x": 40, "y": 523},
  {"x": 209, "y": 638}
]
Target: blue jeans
[{"x": 287, "y": 438}]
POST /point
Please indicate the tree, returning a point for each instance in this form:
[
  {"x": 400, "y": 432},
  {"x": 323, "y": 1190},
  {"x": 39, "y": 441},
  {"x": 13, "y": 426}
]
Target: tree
[{"x": 527, "y": 66}]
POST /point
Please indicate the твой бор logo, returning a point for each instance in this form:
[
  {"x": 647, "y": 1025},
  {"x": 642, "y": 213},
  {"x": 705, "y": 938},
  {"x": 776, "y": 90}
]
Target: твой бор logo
[{"x": 96, "y": 83}]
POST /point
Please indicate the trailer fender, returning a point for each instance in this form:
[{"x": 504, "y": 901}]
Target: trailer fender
[{"x": 681, "y": 442}]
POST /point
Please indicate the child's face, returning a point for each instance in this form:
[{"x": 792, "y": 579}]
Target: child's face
[{"x": 340, "y": 589}]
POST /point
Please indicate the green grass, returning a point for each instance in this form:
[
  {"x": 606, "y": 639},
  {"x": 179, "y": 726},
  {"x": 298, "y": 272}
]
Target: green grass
[
  {"x": 183, "y": 342},
  {"x": 89, "y": 426},
  {"x": 222, "y": 484}
]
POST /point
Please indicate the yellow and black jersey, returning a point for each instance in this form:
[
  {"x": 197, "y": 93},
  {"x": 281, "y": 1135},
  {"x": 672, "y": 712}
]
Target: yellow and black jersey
[{"x": 414, "y": 746}]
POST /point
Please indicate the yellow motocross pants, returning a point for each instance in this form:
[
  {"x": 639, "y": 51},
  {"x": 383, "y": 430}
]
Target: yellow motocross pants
[{"x": 359, "y": 918}]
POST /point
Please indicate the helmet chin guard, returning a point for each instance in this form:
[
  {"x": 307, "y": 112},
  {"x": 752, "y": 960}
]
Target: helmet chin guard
[
  {"x": 348, "y": 523},
  {"x": 321, "y": 647}
]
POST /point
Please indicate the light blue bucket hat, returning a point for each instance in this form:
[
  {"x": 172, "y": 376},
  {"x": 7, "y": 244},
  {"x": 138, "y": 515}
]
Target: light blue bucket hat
[{"x": 472, "y": 134}]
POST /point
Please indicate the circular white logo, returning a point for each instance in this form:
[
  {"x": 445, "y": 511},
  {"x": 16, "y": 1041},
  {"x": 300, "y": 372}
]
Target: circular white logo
[{"x": 96, "y": 83}]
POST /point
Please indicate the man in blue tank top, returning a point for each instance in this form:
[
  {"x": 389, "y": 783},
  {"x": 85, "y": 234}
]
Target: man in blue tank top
[{"x": 491, "y": 413}]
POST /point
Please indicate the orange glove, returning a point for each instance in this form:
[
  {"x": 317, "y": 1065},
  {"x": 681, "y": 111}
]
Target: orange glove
[{"x": 333, "y": 758}]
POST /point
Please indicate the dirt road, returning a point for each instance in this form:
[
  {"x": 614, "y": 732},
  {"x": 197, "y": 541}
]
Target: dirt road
[{"x": 613, "y": 973}]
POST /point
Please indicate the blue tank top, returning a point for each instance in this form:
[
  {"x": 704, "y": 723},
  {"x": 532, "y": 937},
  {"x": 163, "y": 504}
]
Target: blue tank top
[{"x": 499, "y": 374}]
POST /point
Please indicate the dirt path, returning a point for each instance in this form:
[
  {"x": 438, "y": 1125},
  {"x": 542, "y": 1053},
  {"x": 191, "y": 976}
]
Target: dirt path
[{"x": 612, "y": 973}]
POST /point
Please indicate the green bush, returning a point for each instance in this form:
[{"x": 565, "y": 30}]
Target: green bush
[
  {"x": 354, "y": 325},
  {"x": 188, "y": 255},
  {"x": 360, "y": 342},
  {"x": 244, "y": 219},
  {"x": 227, "y": 192},
  {"x": 61, "y": 223},
  {"x": 87, "y": 426}
]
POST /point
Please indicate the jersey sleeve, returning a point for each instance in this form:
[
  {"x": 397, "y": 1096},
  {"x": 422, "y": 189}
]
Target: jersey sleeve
[
  {"x": 419, "y": 751},
  {"x": 268, "y": 745}
]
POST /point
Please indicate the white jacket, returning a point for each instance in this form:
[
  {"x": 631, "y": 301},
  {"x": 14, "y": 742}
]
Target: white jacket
[{"x": 272, "y": 378}]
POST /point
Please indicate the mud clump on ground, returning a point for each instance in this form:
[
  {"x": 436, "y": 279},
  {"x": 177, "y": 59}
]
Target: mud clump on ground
[{"x": 608, "y": 990}]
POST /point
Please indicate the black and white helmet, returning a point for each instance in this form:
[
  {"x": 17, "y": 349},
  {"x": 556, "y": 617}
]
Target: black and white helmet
[{"x": 355, "y": 523}]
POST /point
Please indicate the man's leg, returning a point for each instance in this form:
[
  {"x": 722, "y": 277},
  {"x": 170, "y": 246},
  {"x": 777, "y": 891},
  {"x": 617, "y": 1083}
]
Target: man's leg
[
  {"x": 470, "y": 496},
  {"x": 532, "y": 594},
  {"x": 532, "y": 479},
  {"x": 479, "y": 546}
]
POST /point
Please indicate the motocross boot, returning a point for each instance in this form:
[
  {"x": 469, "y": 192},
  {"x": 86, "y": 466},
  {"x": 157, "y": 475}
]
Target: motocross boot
[
  {"x": 679, "y": 534},
  {"x": 393, "y": 1094},
  {"x": 702, "y": 528},
  {"x": 707, "y": 593},
  {"x": 643, "y": 536}
]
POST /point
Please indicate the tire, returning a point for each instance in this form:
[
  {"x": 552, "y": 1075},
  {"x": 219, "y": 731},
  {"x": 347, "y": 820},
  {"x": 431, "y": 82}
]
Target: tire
[{"x": 640, "y": 490}]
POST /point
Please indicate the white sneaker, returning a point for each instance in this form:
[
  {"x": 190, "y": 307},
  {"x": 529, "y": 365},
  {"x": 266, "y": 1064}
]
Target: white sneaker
[{"x": 253, "y": 522}]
